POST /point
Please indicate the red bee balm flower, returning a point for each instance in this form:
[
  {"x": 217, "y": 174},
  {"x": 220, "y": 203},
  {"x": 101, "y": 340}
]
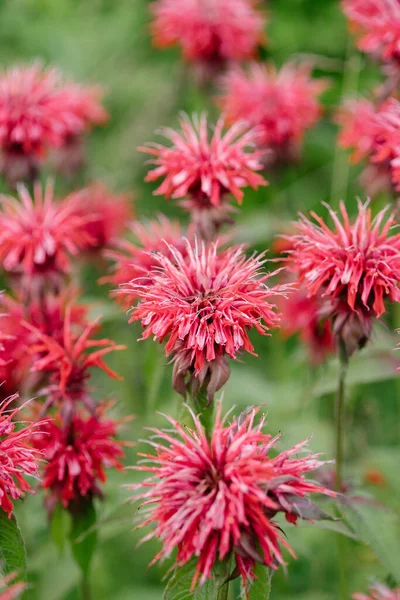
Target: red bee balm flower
[
  {"x": 136, "y": 259},
  {"x": 17, "y": 458},
  {"x": 211, "y": 31},
  {"x": 282, "y": 105},
  {"x": 374, "y": 133},
  {"x": 9, "y": 590},
  {"x": 378, "y": 23},
  {"x": 213, "y": 498},
  {"x": 38, "y": 235},
  {"x": 379, "y": 592},
  {"x": 205, "y": 303},
  {"x": 206, "y": 170},
  {"x": 355, "y": 267},
  {"x": 68, "y": 362},
  {"x": 77, "y": 456}
]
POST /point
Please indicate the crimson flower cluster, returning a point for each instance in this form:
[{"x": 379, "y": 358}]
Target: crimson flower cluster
[
  {"x": 379, "y": 592},
  {"x": 204, "y": 303},
  {"x": 354, "y": 268},
  {"x": 211, "y": 33},
  {"x": 282, "y": 105},
  {"x": 215, "y": 498},
  {"x": 40, "y": 111}
]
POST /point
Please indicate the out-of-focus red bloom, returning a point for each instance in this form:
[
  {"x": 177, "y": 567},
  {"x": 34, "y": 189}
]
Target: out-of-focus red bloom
[
  {"x": 77, "y": 456},
  {"x": 39, "y": 235},
  {"x": 378, "y": 24},
  {"x": 17, "y": 458},
  {"x": 105, "y": 214},
  {"x": 206, "y": 169},
  {"x": 38, "y": 111},
  {"x": 354, "y": 266},
  {"x": 209, "y": 31},
  {"x": 379, "y": 592},
  {"x": 374, "y": 133},
  {"x": 10, "y": 590},
  {"x": 68, "y": 362},
  {"x": 205, "y": 303},
  {"x": 301, "y": 314},
  {"x": 282, "y": 105},
  {"x": 375, "y": 477},
  {"x": 136, "y": 259},
  {"x": 210, "y": 498}
]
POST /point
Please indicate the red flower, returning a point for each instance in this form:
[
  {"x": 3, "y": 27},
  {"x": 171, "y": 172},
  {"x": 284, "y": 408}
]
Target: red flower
[
  {"x": 282, "y": 105},
  {"x": 378, "y": 23},
  {"x": 105, "y": 214},
  {"x": 68, "y": 362},
  {"x": 355, "y": 267},
  {"x": 304, "y": 315},
  {"x": 212, "y": 498},
  {"x": 17, "y": 458},
  {"x": 9, "y": 590},
  {"x": 205, "y": 303},
  {"x": 77, "y": 456},
  {"x": 214, "y": 32},
  {"x": 136, "y": 259},
  {"x": 374, "y": 133},
  {"x": 205, "y": 169},
  {"x": 38, "y": 235},
  {"x": 379, "y": 592}
]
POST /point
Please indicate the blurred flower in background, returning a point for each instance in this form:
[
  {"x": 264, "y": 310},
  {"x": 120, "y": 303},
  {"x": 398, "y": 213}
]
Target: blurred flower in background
[{"x": 379, "y": 592}]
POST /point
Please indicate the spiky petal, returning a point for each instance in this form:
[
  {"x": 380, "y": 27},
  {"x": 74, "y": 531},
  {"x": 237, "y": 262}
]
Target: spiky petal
[
  {"x": 210, "y": 498},
  {"x": 379, "y": 592},
  {"x": 10, "y": 590}
]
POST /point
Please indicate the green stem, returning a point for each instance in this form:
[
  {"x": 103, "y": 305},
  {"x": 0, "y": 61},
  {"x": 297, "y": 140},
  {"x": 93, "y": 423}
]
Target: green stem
[
  {"x": 85, "y": 588},
  {"x": 204, "y": 409},
  {"x": 339, "y": 416},
  {"x": 223, "y": 591}
]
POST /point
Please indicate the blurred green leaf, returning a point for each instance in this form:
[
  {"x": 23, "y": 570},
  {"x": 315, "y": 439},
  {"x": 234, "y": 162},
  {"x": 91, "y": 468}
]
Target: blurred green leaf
[
  {"x": 378, "y": 527},
  {"x": 83, "y": 535},
  {"x": 60, "y": 524},
  {"x": 12, "y": 547},
  {"x": 260, "y": 588}
]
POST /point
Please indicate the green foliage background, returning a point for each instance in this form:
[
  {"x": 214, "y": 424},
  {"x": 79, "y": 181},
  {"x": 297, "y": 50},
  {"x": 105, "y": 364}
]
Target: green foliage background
[{"x": 108, "y": 42}]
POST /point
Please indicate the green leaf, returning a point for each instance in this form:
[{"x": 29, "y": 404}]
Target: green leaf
[
  {"x": 59, "y": 527},
  {"x": 12, "y": 547},
  {"x": 379, "y": 528},
  {"x": 260, "y": 588},
  {"x": 178, "y": 587},
  {"x": 83, "y": 535}
]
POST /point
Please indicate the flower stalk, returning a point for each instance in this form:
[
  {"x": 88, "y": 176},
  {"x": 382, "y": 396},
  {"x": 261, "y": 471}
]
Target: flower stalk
[{"x": 340, "y": 412}]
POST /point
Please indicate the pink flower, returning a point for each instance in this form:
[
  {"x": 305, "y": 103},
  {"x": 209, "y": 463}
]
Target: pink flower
[
  {"x": 281, "y": 104},
  {"x": 204, "y": 304},
  {"x": 17, "y": 458},
  {"x": 355, "y": 267},
  {"x": 137, "y": 259},
  {"x": 374, "y": 133},
  {"x": 77, "y": 456},
  {"x": 378, "y": 24},
  {"x": 215, "y": 31},
  {"x": 10, "y": 590},
  {"x": 39, "y": 235},
  {"x": 379, "y": 592},
  {"x": 210, "y": 498},
  {"x": 203, "y": 169},
  {"x": 68, "y": 360},
  {"x": 303, "y": 315},
  {"x": 105, "y": 214}
]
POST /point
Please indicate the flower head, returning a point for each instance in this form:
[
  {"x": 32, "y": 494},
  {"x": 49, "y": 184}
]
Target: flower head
[
  {"x": 104, "y": 213},
  {"x": 39, "y": 235},
  {"x": 78, "y": 455},
  {"x": 374, "y": 133},
  {"x": 205, "y": 303},
  {"x": 10, "y": 590},
  {"x": 355, "y": 267},
  {"x": 213, "y": 498},
  {"x": 206, "y": 169},
  {"x": 281, "y": 104},
  {"x": 68, "y": 361},
  {"x": 17, "y": 458},
  {"x": 379, "y": 592},
  {"x": 377, "y": 22},
  {"x": 136, "y": 259},
  {"x": 211, "y": 31}
]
